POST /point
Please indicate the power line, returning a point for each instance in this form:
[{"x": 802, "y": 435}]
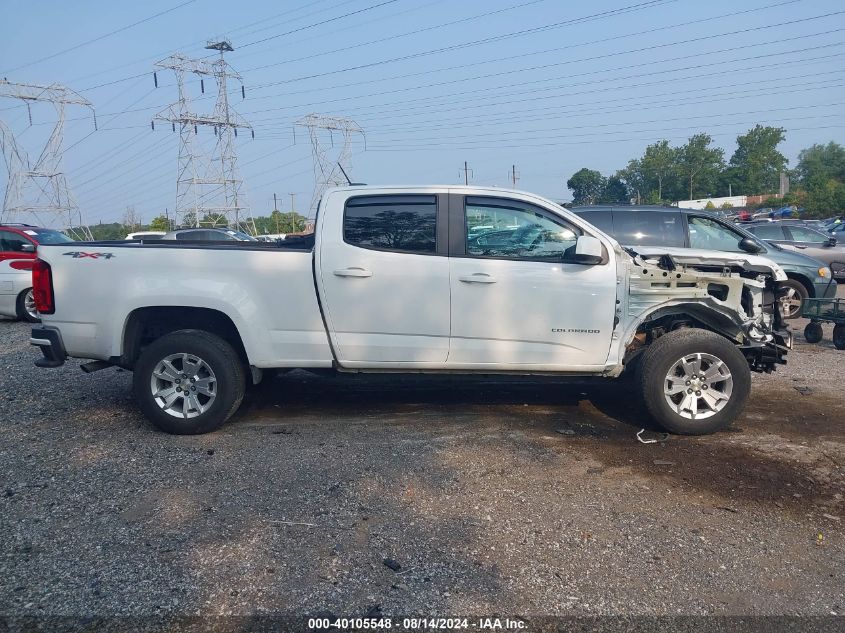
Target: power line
[
  {"x": 595, "y": 16},
  {"x": 311, "y": 26},
  {"x": 462, "y": 80},
  {"x": 409, "y": 110},
  {"x": 400, "y": 35},
  {"x": 196, "y": 43},
  {"x": 440, "y": 146},
  {"x": 101, "y": 37}
]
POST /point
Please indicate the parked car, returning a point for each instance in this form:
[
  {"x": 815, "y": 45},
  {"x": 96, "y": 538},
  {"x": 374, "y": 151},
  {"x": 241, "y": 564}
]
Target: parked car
[
  {"x": 803, "y": 239},
  {"x": 837, "y": 230},
  {"x": 17, "y": 253},
  {"x": 146, "y": 235},
  {"x": 208, "y": 235},
  {"x": 649, "y": 226},
  {"x": 391, "y": 282}
]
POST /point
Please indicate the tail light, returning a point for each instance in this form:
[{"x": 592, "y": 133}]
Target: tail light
[{"x": 42, "y": 287}]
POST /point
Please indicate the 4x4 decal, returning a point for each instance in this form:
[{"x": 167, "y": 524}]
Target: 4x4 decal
[{"x": 84, "y": 254}]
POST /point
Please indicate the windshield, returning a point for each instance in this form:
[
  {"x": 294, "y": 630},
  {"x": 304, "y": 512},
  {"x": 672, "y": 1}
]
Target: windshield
[
  {"x": 48, "y": 236},
  {"x": 239, "y": 235}
]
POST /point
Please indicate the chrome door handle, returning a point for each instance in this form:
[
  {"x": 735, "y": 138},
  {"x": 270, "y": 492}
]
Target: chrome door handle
[
  {"x": 353, "y": 272},
  {"x": 477, "y": 278}
]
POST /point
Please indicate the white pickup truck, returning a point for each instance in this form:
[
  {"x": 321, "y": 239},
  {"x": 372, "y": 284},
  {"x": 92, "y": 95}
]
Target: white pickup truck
[{"x": 414, "y": 279}]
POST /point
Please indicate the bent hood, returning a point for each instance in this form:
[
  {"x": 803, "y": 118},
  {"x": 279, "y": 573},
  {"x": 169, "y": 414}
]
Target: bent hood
[{"x": 701, "y": 257}]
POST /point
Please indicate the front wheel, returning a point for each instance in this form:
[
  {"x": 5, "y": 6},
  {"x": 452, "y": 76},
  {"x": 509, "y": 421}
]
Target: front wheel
[
  {"x": 790, "y": 302},
  {"x": 694, "y": 381},
  {"x": 189, "y": 382}
]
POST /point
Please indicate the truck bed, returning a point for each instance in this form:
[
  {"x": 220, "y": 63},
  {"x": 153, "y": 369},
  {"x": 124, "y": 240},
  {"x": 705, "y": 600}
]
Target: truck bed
[{"x": 265, "y": 289}]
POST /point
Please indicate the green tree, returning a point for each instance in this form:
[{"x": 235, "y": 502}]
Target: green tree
[
  {"x": 819, "y": 163},
  {"x": 658, "y": 164},
  {"x": 160, "y": 223},
  {"x": 586, "y": 186},
  {"x": 700, "y": 165},
  {"x": 757, "y": 161},
  {"x": 821, "y": 176},
  {"x": 634, "y": 179},
  {"x": 614, "y": 191}
]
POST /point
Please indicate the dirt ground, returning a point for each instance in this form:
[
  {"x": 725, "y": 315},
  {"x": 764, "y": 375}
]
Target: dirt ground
[{"x": 486, "y": 496}]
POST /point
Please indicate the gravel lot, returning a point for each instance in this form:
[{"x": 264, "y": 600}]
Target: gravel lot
[{"x": 492, "y": 496}]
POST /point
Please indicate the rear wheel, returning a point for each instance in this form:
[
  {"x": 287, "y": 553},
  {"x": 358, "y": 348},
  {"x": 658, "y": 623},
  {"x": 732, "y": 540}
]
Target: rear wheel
[
  {"x": 813, "y": 332},
  {"x": 26, "y": 307},
  {"x": 189, "y": 382},
  {"x": 839, "y": 336},
  {"x": 790, "y": 302},
  {"x": 694, "y": 381}
]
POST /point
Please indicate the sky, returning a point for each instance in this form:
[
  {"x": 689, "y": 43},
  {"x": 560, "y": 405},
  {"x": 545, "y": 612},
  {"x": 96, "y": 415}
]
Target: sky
[{"x": 543, "y": 85}]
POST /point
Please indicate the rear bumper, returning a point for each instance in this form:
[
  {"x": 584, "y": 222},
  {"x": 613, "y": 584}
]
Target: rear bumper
[{"x": 49, "y": 341}]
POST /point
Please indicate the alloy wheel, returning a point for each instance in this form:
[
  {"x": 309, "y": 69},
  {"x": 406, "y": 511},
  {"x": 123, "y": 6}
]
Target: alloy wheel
[{"x": 698, "y": 386}]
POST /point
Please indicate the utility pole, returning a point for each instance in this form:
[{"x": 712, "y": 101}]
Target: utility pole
[
  {"x": 40, "y": 190},
  {"x": 292, "y": 212},
  {"x": 207, "y": 185},
  {"x": 514, "y": 176},
  {"x": 466, "y": 171}
]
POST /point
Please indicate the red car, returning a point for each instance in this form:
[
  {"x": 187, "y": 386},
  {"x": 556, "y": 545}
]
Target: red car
[{"x": 17, "y": 252}]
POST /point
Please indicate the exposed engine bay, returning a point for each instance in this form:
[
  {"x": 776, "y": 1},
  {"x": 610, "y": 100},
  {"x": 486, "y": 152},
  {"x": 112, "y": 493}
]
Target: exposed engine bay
[{"x": 734, "y": 296}]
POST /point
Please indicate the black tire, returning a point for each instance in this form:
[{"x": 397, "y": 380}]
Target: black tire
[
  {"x": 839, "y": 336},
  {"x": 813, "y": 332},
  {"x": 665, "y": 353},
  {"x": 797, "y": 292},
  {"x": 21, "y": 307},
  {"x": 229, "y": 381}
]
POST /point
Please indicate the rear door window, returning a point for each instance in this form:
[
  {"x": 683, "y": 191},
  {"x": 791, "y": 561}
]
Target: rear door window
[
  {"x": 399, "y": 223},
  {"x": 648, "y": 228},
  {"x": 804, "y": 234},
  {"x": 768, "y": 231},
  {"x": 602, "y": 220}
]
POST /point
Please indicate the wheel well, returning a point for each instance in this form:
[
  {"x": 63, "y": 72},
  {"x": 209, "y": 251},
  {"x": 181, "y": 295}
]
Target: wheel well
[
  {"x": 145, "y": 325},
  {"x": 801, "y": 279},
  {"x": 661, "y": 323}
]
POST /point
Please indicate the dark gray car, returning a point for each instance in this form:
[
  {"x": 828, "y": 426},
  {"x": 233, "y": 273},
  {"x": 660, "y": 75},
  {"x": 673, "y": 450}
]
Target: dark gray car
[
  {"x": 799, "y": 237},
  {"x": 644, "y": 225}
]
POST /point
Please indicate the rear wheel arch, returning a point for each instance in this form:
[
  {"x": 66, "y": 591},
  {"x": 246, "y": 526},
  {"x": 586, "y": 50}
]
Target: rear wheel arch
[
  {"x": 804, "y": 281},
  {"x": 146, "y": 325},
  {"x": 25, "y": 306}
]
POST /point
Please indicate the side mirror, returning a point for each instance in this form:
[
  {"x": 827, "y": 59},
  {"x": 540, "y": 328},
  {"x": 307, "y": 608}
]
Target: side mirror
[
  {"x": 749, "y": 246},
  {"x": 830, "y": 242},
  {"x": 588, "y": 250},
  {"x": 27, "y": 248}
]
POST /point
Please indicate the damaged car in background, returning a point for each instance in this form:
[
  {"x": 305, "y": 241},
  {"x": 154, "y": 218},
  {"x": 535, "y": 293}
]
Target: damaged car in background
[{"x": 415, "y": 279}]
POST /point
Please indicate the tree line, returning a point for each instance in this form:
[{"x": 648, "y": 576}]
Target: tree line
[{"x": 698, "y": 169}]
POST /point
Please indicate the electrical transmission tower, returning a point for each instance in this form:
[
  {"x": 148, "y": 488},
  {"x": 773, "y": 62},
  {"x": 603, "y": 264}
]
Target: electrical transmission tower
[
  {"x": 38, "y": 192},
  {"x": 330, "y": 168},
  {"x": 208, "y": 184}
]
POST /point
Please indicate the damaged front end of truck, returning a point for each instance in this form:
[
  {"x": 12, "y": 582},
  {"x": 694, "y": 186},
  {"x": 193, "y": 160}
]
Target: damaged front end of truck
[{"x": 736, "y": 296}]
